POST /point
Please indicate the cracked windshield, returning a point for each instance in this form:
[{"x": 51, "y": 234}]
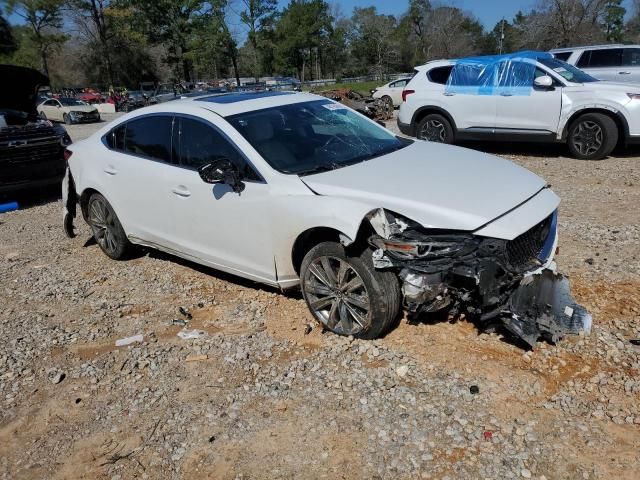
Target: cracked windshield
[{"x": 313, "y": 137}]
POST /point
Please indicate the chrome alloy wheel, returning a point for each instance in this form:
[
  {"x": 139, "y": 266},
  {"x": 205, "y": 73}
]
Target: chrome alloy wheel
[
  {"x": 102, "y": 223},
  {"x": 337, "y": 295},
  {"x": 587, "y": 138},
  {"x": 434, "y": 131}
]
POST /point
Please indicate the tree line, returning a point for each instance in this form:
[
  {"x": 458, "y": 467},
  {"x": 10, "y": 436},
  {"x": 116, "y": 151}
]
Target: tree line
[{"x": 125, "y": 42}]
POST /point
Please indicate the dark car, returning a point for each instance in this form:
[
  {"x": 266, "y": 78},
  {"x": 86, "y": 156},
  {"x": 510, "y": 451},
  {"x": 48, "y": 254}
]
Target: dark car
[{"x": 31, "y": 148}]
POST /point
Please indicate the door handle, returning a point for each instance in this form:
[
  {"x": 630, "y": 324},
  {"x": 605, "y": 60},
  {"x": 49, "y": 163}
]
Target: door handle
[
  {"x": 449, "y": 94},
  {"x": 110, "y": 170},
  {"x": 181, "y": 191},
  {"x": 624, "y": 73},
  {"x": 506, "y": 94}
]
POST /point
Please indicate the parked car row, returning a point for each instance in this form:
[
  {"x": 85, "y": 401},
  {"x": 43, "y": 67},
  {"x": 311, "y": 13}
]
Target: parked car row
[{"x": 527, "y": 96}]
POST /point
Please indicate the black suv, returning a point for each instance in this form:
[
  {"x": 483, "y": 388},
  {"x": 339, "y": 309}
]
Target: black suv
[{"x": 31, "y": 148}]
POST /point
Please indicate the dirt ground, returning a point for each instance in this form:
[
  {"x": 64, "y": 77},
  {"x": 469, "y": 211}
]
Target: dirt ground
[{"x": 262, "y": 395}]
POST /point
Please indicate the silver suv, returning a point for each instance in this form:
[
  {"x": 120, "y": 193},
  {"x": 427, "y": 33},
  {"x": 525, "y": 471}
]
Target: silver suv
[{"x": 614, "y": 62}]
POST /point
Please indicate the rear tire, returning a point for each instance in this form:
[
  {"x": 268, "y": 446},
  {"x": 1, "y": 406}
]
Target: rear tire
[
  {"x": 107, "y": 230},
  {"x": 592, "y": 136},
  {"x": 347, "y": 294},
  {"x": 435, "y": 128}
]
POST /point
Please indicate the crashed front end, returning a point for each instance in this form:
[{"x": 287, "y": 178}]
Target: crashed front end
[{"x": 490, "y": 280}]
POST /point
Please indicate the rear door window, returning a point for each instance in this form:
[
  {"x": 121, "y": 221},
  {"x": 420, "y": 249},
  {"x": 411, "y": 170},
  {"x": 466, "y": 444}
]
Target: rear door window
[
  {"x": 631, "y": 57},
  {"x": 609, "y": 57},
  {"x": 564, "y": 56},
  {"x": 440, "y": 74},
  {"x": 115, "y": 138},
  {"x": 150, "y": 137}
]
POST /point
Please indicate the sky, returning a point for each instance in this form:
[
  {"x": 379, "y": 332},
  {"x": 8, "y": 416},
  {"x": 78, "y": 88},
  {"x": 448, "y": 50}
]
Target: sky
[{"x": 489, "y": 12}]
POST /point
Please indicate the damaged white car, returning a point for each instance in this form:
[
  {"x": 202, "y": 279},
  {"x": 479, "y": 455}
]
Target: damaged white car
[{"x": 292, "y": 189}]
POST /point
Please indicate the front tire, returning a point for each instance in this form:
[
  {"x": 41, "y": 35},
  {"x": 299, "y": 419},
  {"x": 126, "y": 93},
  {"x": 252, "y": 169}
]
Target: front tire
[
  {"x": 106, "y": 227},
  {"x": 347, "y": 294},
  {"x": 592, "y": 136},
  {"x": 67, "y": 119},
  {"x": 435, "y": 128}
]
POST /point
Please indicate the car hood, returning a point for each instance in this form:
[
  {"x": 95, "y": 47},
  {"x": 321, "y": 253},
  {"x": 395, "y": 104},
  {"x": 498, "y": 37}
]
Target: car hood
[
  {"x": 20, "y": 87},
  {"x": 438, "y": 186}
]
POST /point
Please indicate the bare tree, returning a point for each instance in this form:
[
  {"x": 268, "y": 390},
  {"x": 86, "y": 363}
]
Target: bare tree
[{"x": 44, "y": 18}]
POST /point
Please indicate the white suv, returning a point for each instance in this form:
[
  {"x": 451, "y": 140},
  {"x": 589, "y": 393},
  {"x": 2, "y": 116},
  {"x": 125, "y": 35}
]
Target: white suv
[
  {"x": 545, "y": 99},
  {"x": 293, "y": 189},
  {"x": 617, "y": 63}
]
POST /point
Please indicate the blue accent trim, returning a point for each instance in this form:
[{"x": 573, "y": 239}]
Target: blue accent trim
[
  {"x": 240, "y": 97},
  {"x": 7, "y": 207},
  {"x": 545, "y": 252}
]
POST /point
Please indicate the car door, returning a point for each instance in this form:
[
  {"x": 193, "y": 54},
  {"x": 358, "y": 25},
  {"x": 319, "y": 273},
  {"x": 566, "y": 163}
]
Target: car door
[
  {"x": 630, "y": 71},
  {"x": 52, "y": 110},
  {"x": 524, "y": 108},
  {"x": 395, "y": 91},
  {"x": 603, "y": 64},
  {"x": 462, "y": 95},
  {"x": 212, "y": 222},
  {"x": 137, "y": 176}
]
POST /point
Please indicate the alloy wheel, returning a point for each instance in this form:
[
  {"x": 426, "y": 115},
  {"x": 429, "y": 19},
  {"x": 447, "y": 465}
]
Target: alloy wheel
[
  {"x": 102, "y": 223},
  {"x": 587, "y": 138},
  {"x": 434, "y": 131},
  {"x": 337, "y": 295}
]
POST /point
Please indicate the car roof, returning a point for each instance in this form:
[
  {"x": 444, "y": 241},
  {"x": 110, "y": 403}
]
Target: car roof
[
  {"x": 227, "y": 104},
  {"x": 591, "y": 47}
]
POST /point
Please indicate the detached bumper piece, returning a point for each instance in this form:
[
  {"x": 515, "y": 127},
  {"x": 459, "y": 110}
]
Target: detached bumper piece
[{"x": 542, "y": 307}]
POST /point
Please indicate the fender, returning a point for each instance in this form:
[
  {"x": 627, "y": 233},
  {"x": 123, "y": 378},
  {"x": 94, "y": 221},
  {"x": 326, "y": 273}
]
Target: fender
[
  {"x": 572, "y": 110},
  {"x": 295, "y": 219}
]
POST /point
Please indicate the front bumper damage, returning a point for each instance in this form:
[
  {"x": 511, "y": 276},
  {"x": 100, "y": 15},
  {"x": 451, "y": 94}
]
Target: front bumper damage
[{"x": 494, "y": 282}]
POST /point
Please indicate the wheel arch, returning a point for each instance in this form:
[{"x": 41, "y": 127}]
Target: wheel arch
[
  {"x": 313, "y": 236},
  {"x": 615, "y": 115},
  {"x": 422, "y": 112}
]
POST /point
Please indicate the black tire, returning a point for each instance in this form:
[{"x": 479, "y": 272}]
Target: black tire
[
  {"x": 338, "y": 306},
  {"x": 435, "y": 128},
  {"x": 43, "y": 115},
  {"x": 67, "y": 119},
  {"x": 592, "y": 136},
  {"x": 107, "y": 230}
]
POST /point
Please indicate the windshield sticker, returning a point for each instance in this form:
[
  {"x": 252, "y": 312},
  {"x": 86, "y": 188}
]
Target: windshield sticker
[{"x": 334, "y": 106}]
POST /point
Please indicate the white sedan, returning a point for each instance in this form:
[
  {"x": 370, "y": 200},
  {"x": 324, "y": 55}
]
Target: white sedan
[
  {"x": 68, "y": 110},
  {"x": 292, "y": 189},
  {"x": 392, "y": 91}
]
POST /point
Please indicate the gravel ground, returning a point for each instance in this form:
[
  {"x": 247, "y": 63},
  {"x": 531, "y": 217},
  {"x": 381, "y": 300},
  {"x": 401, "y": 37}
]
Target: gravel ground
[{"x": 258, "y": 396}]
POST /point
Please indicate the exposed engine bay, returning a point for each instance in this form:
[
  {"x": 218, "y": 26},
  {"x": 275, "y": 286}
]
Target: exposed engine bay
[{"x": 492, "y": 281}]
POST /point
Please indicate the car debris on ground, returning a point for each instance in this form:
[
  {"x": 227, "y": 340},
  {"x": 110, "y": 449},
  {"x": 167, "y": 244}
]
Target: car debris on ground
[{"x": 374, "y": 108}]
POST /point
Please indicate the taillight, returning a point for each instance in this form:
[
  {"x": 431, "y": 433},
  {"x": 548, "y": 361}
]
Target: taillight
[
  {"x": 406, "y": 93},
  {"x": 67, "y": 154}
]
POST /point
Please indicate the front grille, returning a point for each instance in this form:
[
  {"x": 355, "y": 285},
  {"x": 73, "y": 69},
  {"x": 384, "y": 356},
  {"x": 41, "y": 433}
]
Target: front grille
[
  {"x": 34, "y": 152},
  {"x": 11, "y": 134},
  {"x": 525, "y": 250}
]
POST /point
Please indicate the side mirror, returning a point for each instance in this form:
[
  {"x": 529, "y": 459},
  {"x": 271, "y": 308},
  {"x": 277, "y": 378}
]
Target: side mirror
[
  {"x": 544, "y": 81},
  {"x": 222, "y": 170}
]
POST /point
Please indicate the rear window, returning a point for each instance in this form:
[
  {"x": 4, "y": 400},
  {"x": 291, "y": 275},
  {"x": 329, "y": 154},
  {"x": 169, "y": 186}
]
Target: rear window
[
  {"x": 564, "y": 56},
  {"x": 609, "y": 57},
  {"x": 150, "y": 137},
  {"x": 439, "y": 74}
]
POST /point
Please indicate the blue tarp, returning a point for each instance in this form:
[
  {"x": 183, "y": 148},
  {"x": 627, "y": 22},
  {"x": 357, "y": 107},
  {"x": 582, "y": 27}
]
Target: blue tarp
[{"x": 495, "y": 74}]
